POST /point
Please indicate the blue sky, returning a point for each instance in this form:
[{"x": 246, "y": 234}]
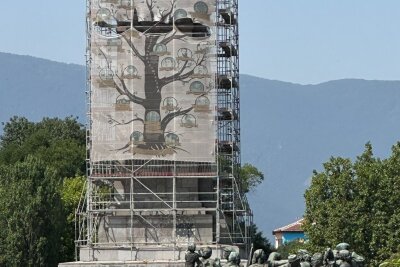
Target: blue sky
[{"x": 304, "y": 41}]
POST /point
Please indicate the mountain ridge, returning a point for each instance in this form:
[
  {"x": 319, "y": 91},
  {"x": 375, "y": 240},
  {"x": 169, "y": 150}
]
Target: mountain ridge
[
  {"x": 25, "y": 78},
  {"x": 24, "y": 57},
  {"x": 335, "y": 81}
]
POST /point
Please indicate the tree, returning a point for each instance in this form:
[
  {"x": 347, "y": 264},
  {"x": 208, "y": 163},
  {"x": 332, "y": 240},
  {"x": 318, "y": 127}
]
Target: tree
[
  {"x": 59, "y": 143},
  {"x": 329, "y": 204},
  {"x": 393, "y": 261},
  {"x": 31, "y": 214},
  {"x": 250, "y": 177},
  {"x": 290, "y": 248},
  {"x": 71, "y": 192},
  {"x": 15, "y": 131},
  {"x": 356, "y": 203},
  {"x": 37, "y": 158},
  {"x": 258, "y": 240},
  {"x": 156, "y": 33},
  {"x": 370, "y": 204}
]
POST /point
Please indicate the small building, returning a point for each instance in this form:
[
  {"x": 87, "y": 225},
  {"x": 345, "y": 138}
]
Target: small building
[{"x": 289, "y": 233}]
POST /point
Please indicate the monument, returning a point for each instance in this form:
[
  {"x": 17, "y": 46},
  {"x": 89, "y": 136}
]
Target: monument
[
  {"x": 163, "y": 140},
  {"x": 341, "y": 256}
]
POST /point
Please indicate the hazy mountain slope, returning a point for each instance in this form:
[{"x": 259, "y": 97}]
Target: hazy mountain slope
[
  {"x": 36, "y": 87},
  {"x": 287, "y": 129}
]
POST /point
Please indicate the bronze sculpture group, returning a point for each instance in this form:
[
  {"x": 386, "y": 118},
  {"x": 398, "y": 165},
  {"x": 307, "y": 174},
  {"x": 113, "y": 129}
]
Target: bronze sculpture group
[
  {"x": 202, "y": 258},
  {"x": 341, "y": 256}
]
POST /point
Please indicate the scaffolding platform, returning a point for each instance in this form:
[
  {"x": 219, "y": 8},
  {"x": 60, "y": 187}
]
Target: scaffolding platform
[
  {"x": 228, "y": 49},
  {"x": 228, "y": 16},
  {"x": 227, "y": 82},
  {"x": 225, "y": 114}
]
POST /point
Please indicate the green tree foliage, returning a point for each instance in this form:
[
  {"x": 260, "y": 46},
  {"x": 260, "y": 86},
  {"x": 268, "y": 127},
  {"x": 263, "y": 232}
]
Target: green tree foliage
[
  {"x": 394, "y": 261},
  {"x": 71, "y": 191},
  {"x": 60, "y": 143},
  {"x": 31, "y": 214},
  {"x": 251, "y": 177},
  {"x": 37, "y": 200},
  {"x": 357, "y": 203},
  {"x": 291, "y": 247},
  {"x": 259, "y": 241},
  {"x": 16, "y": 131}
]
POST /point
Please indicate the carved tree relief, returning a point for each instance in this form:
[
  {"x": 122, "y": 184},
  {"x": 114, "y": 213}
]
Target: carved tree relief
[{"x": 148, "y": 35}]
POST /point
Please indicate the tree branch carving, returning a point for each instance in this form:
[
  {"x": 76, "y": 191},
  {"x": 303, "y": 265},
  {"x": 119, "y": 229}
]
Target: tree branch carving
[
  {"x": 150, "y": 6},
  {"x": 164, "y": 15},
  {"x": 134, "y": 49},
  {"x": 167, "y": 40},
  {"x": 124, "y": 91},
  {"x": 167, "y": 119},
  {"x": 179, "y": 76},
  {"x": 117, "y": 123}
]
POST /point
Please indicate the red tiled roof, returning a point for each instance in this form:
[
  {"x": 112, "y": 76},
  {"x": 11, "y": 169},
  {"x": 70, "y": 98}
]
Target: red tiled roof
[{"x": 293, "y": 227}]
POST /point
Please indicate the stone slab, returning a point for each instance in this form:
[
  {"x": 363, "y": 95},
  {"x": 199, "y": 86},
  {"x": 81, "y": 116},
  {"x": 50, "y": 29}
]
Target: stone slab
[
  {"x": 143, "y": 254},
  {"x": 124, "y": 264},
  {"x": 155, "y": 229},
  {"x": 129, "y": 264}
]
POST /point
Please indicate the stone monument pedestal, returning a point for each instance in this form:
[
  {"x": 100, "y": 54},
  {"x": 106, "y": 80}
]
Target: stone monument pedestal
[
  {"x": 125, "y": 264},
  {"x": 155, "y": 256},
  {"x": 131, "y": 264}
]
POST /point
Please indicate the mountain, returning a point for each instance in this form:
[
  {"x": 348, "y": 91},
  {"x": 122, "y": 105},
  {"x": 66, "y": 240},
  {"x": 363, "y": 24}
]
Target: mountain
[
  {"x": 287, "y": 129},
  {"x": 35, "y": 87}
]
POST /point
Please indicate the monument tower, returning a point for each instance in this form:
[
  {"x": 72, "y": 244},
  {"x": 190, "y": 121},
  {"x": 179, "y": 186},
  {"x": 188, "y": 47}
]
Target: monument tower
[{"x": 163, "y": 140}]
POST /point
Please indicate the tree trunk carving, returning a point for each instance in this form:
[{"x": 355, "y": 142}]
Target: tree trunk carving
[{"x": 154, "y": 124}]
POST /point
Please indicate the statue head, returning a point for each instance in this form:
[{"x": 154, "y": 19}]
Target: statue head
[
  {"x": 206, "y": 253},
  {"x": 274, "y": 256},
  {"x": 357, "y": 259},
  {"x": 237, "y": 259},
  {"x": 227, "y": 252},
  {"x": 234, "y": 257},
  {"x": 329, "y": 255},
  {"x": 317, "y": 260},
  {"x": 192, "y": 247},
  {"x": 304, "y": 255},
  {"x": 344, "y": 255},
  {"x": 293, "y": 260},
  {"x": 258, "y": 256},
  {"x": 343, "y": 246}
]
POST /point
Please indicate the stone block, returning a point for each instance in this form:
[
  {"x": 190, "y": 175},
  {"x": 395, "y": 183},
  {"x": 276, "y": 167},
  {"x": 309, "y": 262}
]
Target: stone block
[{"x": 155, "y": 229}]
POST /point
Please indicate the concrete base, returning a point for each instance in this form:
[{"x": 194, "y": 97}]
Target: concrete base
[
  {"x": 144, "y": 257},
  {"x": 124, "y": 264},
  {"x": 145, "y": 254},
  {"x": 131, "y": 264}
]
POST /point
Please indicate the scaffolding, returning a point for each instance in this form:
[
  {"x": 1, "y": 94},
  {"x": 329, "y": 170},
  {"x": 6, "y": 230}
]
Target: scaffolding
[{"x": 165, "y": 203}]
